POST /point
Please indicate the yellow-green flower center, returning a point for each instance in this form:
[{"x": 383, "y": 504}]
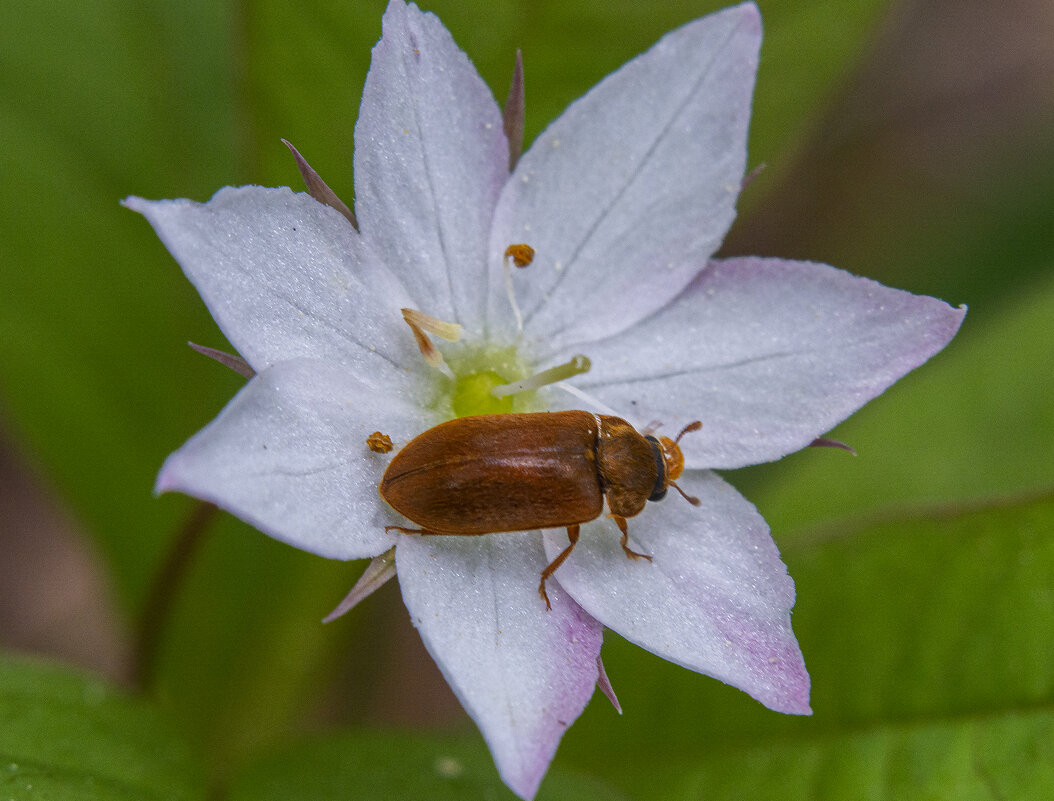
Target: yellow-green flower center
[
  {"x": 472, "y": 395},
  {"x": 497, "y": 381},
  {"x": 477, "y": 372}
]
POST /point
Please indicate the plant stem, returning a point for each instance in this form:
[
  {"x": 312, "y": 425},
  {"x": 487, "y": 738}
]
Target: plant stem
[{"x": 170, "y": 577}]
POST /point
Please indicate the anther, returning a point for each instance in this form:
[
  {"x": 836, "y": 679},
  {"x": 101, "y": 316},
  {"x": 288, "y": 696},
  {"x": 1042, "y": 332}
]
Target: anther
[
  {"x": 521, "y": 255},
  {"x": 576, "y": 366},
  {"x": 419, "y": 323},
  {"x": 451, "y": 332}
]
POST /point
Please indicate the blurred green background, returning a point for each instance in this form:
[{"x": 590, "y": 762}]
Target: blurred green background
[{"x": 911, "y": 141}]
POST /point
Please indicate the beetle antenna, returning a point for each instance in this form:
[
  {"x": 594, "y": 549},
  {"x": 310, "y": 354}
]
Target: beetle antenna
[
  {"x": 690, "y": 498},
  {"x": 693, "y": 426}
]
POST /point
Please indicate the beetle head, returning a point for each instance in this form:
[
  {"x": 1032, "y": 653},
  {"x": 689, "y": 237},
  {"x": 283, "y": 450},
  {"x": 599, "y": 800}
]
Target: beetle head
[
  {"x": 671, "y": 451},
  {"x": 673, "y": 460}
]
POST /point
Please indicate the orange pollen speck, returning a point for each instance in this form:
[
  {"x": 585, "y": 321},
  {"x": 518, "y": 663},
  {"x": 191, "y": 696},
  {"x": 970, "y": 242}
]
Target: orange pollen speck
[
  {"x": 379, "y": 443},
  {"x": 521, "y": 254}
]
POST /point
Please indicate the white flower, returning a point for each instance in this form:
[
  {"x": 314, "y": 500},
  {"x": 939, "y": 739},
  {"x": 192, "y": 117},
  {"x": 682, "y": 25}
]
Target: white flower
[{"x": 624, "y": 198}]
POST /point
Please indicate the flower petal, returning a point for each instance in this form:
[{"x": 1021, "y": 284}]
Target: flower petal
[
  {"x": 633, "y": 187},
  {"x": 430, "y": 159},
  {"x": 522, "y": 673},
  {"x": 769, "y": 354},
  {"x": 285, "y": 277},
  {"x": 715, "y": 598},
  {"x": 288, "y": 455}
]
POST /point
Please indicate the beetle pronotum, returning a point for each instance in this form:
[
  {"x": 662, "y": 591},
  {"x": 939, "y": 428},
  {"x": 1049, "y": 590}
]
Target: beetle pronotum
[{"x": 516, "y": 472}]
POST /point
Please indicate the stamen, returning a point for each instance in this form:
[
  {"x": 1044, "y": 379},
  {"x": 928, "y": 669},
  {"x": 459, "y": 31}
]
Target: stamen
[
  {"x": 576, "y": 366},
  {"x": 521, "y": 255},
  {"x": 420, "y": 322},
  {"x": 451, "y": 332}
]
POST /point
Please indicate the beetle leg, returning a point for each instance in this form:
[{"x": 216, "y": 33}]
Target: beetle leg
[
  {"x": 572, "y": 535},
  {"x": 621, "y": 522}
]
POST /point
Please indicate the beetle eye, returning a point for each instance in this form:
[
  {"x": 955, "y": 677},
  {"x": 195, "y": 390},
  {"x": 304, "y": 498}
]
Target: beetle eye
[{"x": 658, "y": 492}]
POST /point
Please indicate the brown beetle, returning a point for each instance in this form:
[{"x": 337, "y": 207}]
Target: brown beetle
[{"x": 517, "y": 472}]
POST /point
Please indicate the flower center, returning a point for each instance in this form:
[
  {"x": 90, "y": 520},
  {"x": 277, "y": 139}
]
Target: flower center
[
  {"x": 487, "y": 379},
  {"x": 477, "y": 370},
  {"x": 472, "y": 395}
]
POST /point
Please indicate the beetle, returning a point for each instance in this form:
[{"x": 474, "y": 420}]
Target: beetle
[{"x": 494, "y": 473}]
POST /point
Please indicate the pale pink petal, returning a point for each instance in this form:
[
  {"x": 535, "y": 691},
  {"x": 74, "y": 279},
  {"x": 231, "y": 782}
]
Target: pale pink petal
[
  {"x": 716, "y": 598},
  {"x": 522, "y": 673},
  {"x": 288, "y": 455},
  {"x": 768, "y": 354},
  {"x": 430, "y": 159},
  {"x": 286, "y": 277},
  {"x": 630, "y": 191}
]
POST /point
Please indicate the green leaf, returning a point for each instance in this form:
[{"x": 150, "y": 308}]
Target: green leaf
[
  {"x": 935, "y": 617},
  {"x": 67, "y": 736},
  {"x": 379, "y": 766},
  {"x": 998, "y": 756},
  {"x": 915, "y": 630}
]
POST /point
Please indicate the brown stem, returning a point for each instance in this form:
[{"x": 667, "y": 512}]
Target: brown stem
[{"x": 163, "y": 591}]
